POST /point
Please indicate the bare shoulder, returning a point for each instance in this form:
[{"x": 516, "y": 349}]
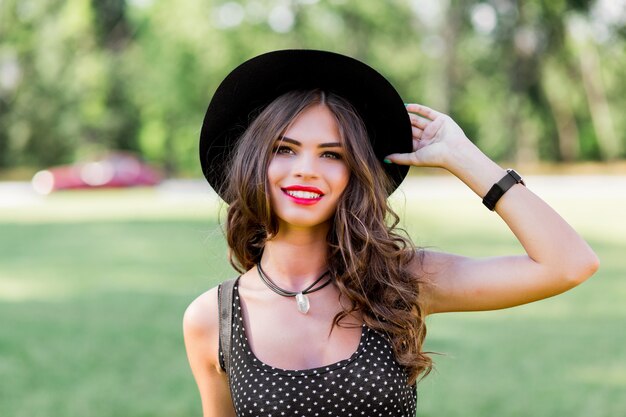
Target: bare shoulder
[
  {"x": 202, "y": 313},
  {"x": 201, "y": 331},
  {"x": 201, "y": 325}
]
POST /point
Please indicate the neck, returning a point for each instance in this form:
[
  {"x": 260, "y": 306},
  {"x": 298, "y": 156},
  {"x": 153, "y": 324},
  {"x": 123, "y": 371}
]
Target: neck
[{"x": 295, "y": 259}]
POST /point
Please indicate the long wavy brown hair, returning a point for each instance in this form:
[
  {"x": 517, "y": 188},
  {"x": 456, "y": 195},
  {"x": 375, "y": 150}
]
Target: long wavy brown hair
[{"x": 368, "y": 255}]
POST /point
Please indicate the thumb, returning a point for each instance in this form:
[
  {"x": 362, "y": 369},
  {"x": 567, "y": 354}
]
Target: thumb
[{"x": 402, "y": 158}]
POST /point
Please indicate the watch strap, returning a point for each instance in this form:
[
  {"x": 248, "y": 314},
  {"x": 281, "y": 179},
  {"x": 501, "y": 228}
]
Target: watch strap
[{"x": 498, "y": 189}]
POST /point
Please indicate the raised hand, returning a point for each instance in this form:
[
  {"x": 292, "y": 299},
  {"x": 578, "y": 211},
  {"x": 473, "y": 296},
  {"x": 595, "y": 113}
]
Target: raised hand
[{"x": 435, "y": 138}]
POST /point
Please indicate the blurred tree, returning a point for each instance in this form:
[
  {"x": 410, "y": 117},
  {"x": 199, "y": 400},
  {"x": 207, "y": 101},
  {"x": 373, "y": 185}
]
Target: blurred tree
[
  {"x": 111, "y": 25},
  {"x": 532, "y": 32},
  {"x": 114, "y": 34},
  {"x": 595, "y": 91},
  {"x": 81, "y": 76},
  {"x": 42, "y": 124}
]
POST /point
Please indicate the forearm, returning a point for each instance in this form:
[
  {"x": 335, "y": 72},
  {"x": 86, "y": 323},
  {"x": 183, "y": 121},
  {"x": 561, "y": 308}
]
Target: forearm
[{"x": 547, "y": 238}]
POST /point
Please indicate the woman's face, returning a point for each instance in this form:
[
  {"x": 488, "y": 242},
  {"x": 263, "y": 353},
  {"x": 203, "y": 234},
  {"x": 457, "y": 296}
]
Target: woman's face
[{"x": 307, "y": 173}]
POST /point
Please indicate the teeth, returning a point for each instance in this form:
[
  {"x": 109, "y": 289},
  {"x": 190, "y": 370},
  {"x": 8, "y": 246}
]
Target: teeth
[{"x": 302, "y": 194}]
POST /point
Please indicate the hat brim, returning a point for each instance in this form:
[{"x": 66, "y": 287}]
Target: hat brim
[{"x": 257, "y": 82}]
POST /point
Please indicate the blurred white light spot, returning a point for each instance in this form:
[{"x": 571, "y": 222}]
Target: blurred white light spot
[
  {"x": 230, "y": 14},
  {"x": 281, "y": 19},
  {"x": 526, "y": 41},
  {"x": 433, "y": 46},
  {"x": 577, "y": 27},
  {"x": 96, "y": 173},
  {"x": 26, "y": 10},
  {"x": 600, "y": 32},
  {"x": 484, "y": 18},
  {"x": 610, "y": 11},
  {"x": 141, "y": 4},
  {"x": 330, "y": 23},
  {"x": 430, "y": 13},
  {"x": 43, "y": 182},
  {"x": 307, "y": 1},
  {"x": 10, "y": 72},
  {"x": 255, "y": 12}
]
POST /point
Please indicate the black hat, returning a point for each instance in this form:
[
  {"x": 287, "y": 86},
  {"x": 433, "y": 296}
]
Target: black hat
[{"x": 257, "y": 82}]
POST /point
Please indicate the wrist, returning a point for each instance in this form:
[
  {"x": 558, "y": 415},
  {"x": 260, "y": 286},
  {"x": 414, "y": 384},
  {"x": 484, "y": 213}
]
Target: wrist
[
  {"x": 498, "y": 189},
  {"x": 468, "y": 163},
  {"x": 462, "y": 157}
]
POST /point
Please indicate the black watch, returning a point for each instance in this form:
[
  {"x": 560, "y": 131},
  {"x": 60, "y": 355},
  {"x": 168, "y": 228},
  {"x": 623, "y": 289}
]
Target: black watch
[{"x": 498, "y": 189}]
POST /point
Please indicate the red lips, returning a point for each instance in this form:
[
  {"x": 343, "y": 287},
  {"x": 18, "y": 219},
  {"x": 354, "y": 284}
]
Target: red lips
[
  {"x": 303, "y": 188},
  {"x": 303, "y": 201}
]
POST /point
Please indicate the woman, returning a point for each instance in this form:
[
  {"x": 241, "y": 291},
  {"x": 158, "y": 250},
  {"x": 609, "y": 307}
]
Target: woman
[{"x": 328, "y": 312}]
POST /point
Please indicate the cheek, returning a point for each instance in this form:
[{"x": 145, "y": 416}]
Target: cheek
[
  {"x": 341, "y": 175},
  {"x": 275, "y": 170}
]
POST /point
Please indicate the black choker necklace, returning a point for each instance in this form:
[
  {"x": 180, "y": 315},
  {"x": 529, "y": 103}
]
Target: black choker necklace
[{"x": 302, "y": 301}]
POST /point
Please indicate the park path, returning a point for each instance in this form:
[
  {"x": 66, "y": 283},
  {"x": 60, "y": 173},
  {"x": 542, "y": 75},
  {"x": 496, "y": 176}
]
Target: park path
[{"x": 21, "y": 194}]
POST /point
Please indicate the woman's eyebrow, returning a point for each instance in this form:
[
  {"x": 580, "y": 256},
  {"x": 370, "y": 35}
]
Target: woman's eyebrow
[{"x": 321, "y": 145}]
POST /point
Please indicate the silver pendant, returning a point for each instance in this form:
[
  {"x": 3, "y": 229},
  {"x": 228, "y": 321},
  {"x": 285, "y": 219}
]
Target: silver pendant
[{"x": 302, "y": 302}]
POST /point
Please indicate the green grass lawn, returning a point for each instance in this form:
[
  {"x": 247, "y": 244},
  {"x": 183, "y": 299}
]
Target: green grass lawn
[{"x": 93, "y": 287}]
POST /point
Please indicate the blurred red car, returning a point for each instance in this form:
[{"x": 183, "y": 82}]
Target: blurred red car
[{"x": 115, "y": 170}]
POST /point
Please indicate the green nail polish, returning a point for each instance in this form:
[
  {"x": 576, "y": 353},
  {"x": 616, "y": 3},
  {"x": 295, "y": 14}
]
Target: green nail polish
[
  {"x": 387, "y": 161},
  {"x": 406, "y": 104}
]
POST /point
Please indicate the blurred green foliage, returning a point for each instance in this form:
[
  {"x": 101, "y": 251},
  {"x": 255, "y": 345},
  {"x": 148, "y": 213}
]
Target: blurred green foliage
[{"x": 528, "y": 81}]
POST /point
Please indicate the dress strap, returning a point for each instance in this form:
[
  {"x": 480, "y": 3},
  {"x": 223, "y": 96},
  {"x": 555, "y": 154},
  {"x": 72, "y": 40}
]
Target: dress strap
[{"x": 225, "y": 305}]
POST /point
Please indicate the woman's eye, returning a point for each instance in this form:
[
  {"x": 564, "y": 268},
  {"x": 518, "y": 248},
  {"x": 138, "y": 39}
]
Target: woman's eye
[
  {"x": 283, "y": 150},
  {"x": 332, "y": 155}
]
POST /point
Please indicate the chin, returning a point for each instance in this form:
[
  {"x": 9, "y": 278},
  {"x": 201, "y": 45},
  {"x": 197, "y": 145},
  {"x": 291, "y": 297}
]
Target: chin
[{"x": 300, "y": 223}]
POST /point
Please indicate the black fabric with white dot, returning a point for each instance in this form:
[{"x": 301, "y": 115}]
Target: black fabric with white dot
[{"x": 369, "y": 383}]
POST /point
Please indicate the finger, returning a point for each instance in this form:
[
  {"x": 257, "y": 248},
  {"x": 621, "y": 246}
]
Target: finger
[
  {"x": 427, "y": 111},
  {"x": 423, "y": 110},
  {"x": 402, "y": 158},
  {"x": 432, "y": 129},
  {"x": 418, "y": 121},
  {"x": 417, "y": 132}
]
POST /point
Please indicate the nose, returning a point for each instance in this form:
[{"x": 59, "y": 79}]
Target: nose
[{"x": 305, "y": 166}]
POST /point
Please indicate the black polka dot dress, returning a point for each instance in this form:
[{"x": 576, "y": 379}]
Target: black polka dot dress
[{"x": 369, "y": 383}]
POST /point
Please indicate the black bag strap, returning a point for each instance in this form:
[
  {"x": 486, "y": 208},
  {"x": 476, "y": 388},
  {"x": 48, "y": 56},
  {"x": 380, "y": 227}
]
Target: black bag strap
[{"x": 224, "y": 301}]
